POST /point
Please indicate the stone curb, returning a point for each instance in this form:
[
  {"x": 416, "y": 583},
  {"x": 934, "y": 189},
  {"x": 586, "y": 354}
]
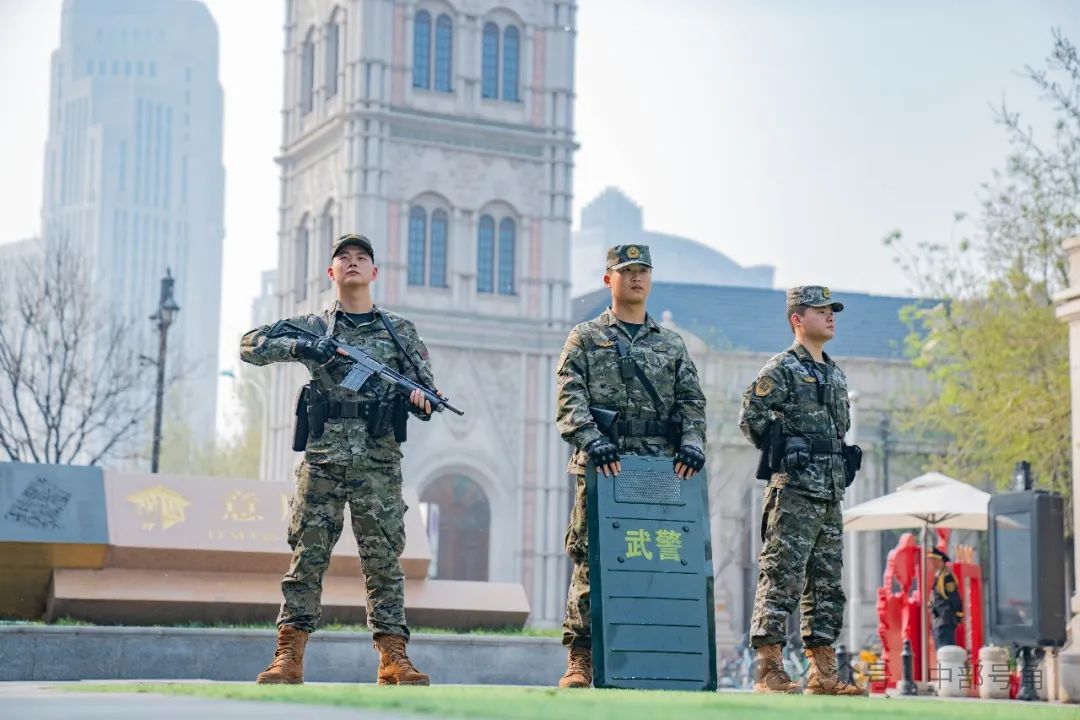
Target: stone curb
[{"x": 37, "y": 653}]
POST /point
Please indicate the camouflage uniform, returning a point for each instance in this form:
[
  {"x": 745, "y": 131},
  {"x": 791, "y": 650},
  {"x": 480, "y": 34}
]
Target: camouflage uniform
[
  {"x": 346, "y": 464},
  {"x": 801, "y": 525},
  {"x": 588, "y": 375}
]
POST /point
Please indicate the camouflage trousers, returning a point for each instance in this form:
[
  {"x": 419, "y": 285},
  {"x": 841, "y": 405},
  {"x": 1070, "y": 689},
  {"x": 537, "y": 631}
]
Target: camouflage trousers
[
  {"x": 373, "y": 493},
  {"x": 802, "y": 556},
  {"x": 577, "y": 623}
]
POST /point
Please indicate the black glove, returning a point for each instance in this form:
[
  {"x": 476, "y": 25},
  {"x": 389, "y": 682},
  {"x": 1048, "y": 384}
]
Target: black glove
[
  {"x": 602, "y": 452},
  {"x": 691, "y": 457},
  {"x": 320, "y": 350},
  {"x": 418, "y": 411},
  {"x": 796, "y": 454}
]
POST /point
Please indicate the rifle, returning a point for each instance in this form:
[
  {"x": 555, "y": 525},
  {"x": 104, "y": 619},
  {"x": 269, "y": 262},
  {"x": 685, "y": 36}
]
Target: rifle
[{"x": 364, "y": 366}]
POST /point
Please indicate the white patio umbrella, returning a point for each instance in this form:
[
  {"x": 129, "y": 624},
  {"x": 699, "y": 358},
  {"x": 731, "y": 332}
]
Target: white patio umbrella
[{"x": 930, "y": 499}]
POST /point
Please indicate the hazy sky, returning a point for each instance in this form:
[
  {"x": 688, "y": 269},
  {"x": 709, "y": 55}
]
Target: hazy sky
[{"x": 787, "y": 132}]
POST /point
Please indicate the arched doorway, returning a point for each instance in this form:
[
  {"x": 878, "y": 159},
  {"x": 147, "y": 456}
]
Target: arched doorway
[{"x": 457, "y": 515}]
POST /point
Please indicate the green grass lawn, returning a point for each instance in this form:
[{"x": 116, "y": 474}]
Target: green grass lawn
[{"x": 517, "y": 703}]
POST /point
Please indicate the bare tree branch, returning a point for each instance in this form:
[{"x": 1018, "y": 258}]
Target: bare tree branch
[{"x": 71, "y": 386}]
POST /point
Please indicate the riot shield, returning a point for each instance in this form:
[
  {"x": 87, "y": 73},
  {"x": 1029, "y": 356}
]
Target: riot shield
[{"x": 651, "y": 578}]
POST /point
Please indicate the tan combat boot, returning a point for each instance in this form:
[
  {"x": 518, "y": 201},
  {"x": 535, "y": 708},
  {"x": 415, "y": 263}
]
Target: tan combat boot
[
  {"x": 578, "y": 668},
  {"x": 395, "y": 668},
  {"x": 823, "y": 678},
  {"x": 288, "y": 665},
  {"x": 771, "y": 676}
]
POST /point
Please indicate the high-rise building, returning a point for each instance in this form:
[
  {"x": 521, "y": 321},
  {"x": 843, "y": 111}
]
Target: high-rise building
[
  {"x": 264, "y": 308},
  {"x": 133, "y": 172},
  {"x": 443, "y": 130}
]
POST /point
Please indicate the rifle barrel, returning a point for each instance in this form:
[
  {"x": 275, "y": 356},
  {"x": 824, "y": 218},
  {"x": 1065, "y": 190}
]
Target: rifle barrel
[{"x": 358, "y": 356}]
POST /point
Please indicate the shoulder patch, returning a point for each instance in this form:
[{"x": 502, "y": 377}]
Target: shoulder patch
[{"x": 764, "y": 386}]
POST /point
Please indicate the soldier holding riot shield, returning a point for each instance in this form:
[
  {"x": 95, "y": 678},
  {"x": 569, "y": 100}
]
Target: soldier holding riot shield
[{"x": 625, "y": 386}]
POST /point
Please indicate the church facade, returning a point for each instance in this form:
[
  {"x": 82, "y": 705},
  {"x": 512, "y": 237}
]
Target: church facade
[{"x": 444, "y": 132}]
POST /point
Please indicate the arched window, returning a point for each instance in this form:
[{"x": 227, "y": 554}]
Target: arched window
[
  {"x": 307, "y": 73},
  {"x": 485, "y": 255},
  {"x": 417, "y": 240},
  {"x": 300, "y": 261},
  {"x": 440, "y": 222},
  {"x": 444, "y": 42},
  {"x": 333, "y": 35},
  {"x": 327, "y": 242},
  {"x": 507, "y": 238},
  {"x": 511, "y": 64},
  {"x": 421, "y": 77},
  {"x": 458, "y": 518},
  {"x": 490, "y": 70}
]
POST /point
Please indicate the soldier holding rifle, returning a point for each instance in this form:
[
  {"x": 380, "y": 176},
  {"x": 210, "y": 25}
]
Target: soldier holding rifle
[{"x": 350, "y": 427}]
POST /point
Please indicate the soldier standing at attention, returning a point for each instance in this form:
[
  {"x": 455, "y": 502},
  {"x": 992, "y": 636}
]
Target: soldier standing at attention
[
  {"x": 353, "y": 455},
  {"x": 621, "y": 361},
  {"x": 797, "y": 413},
  {"x": 946, "y": 607}
]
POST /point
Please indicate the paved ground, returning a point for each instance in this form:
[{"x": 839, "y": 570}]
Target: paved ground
[{"x": 39, "y": 701}]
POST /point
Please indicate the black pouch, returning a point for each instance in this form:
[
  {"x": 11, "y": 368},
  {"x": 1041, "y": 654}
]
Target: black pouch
[
  {"x": 380, "y": 419},
  {"x": 773, "y": 449},
  {"x": 673, "y": 432},
  {"x": 607, "y": 422},
  {"x": 318, "y": 411},
  {"x": 300, "y": 426},
  {"x": 852, "y": 463},
  {"x": 796, "y": 453},
  {"x": 401, "y": 420}
]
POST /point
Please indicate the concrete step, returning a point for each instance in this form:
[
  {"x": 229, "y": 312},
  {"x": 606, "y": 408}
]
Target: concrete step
[{"x": 42, "y": 653}]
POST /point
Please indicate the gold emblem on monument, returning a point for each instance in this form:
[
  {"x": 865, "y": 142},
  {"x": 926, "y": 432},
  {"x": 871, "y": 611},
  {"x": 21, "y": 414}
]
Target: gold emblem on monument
[
  {"x": 165, "y": 502},
  {"x": 240, "y": 506}
]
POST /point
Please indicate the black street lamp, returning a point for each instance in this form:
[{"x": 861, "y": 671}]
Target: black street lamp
[{"x": 165, "y": 315}]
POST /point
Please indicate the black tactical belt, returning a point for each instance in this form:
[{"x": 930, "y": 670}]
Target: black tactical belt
[
  {"x": 644, "y": 428},
  {"x": 348, "y": 409},
  {"x": 826, "y": 447}
]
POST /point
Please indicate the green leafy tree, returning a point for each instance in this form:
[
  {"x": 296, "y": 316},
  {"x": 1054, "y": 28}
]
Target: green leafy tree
[{"x": 996, "y": 353}]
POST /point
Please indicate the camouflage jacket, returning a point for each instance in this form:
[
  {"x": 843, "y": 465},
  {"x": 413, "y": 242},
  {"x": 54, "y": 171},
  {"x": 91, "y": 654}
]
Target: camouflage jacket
[
  {"x": 588, "y": 375},
  {"x": 348, "y": 438},
  {"x": 787, "y": 390}
]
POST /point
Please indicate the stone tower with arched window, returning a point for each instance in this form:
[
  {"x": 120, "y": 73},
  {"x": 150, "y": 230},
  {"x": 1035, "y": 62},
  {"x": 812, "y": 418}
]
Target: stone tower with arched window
[{"x": 444, "y": 132}]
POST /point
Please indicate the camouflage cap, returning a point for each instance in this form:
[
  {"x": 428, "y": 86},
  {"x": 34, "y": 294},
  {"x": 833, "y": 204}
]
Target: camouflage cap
[
  {"x": 352, "y": 239},
  {"x": 620, "y": 256},
  {"x": 812, "y": 296}
]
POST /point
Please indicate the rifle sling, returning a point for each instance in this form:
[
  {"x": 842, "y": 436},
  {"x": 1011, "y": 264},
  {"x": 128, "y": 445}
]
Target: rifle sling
[
  {"x": 642, "y": 378},
  {"x": 397, "y": 341}
]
